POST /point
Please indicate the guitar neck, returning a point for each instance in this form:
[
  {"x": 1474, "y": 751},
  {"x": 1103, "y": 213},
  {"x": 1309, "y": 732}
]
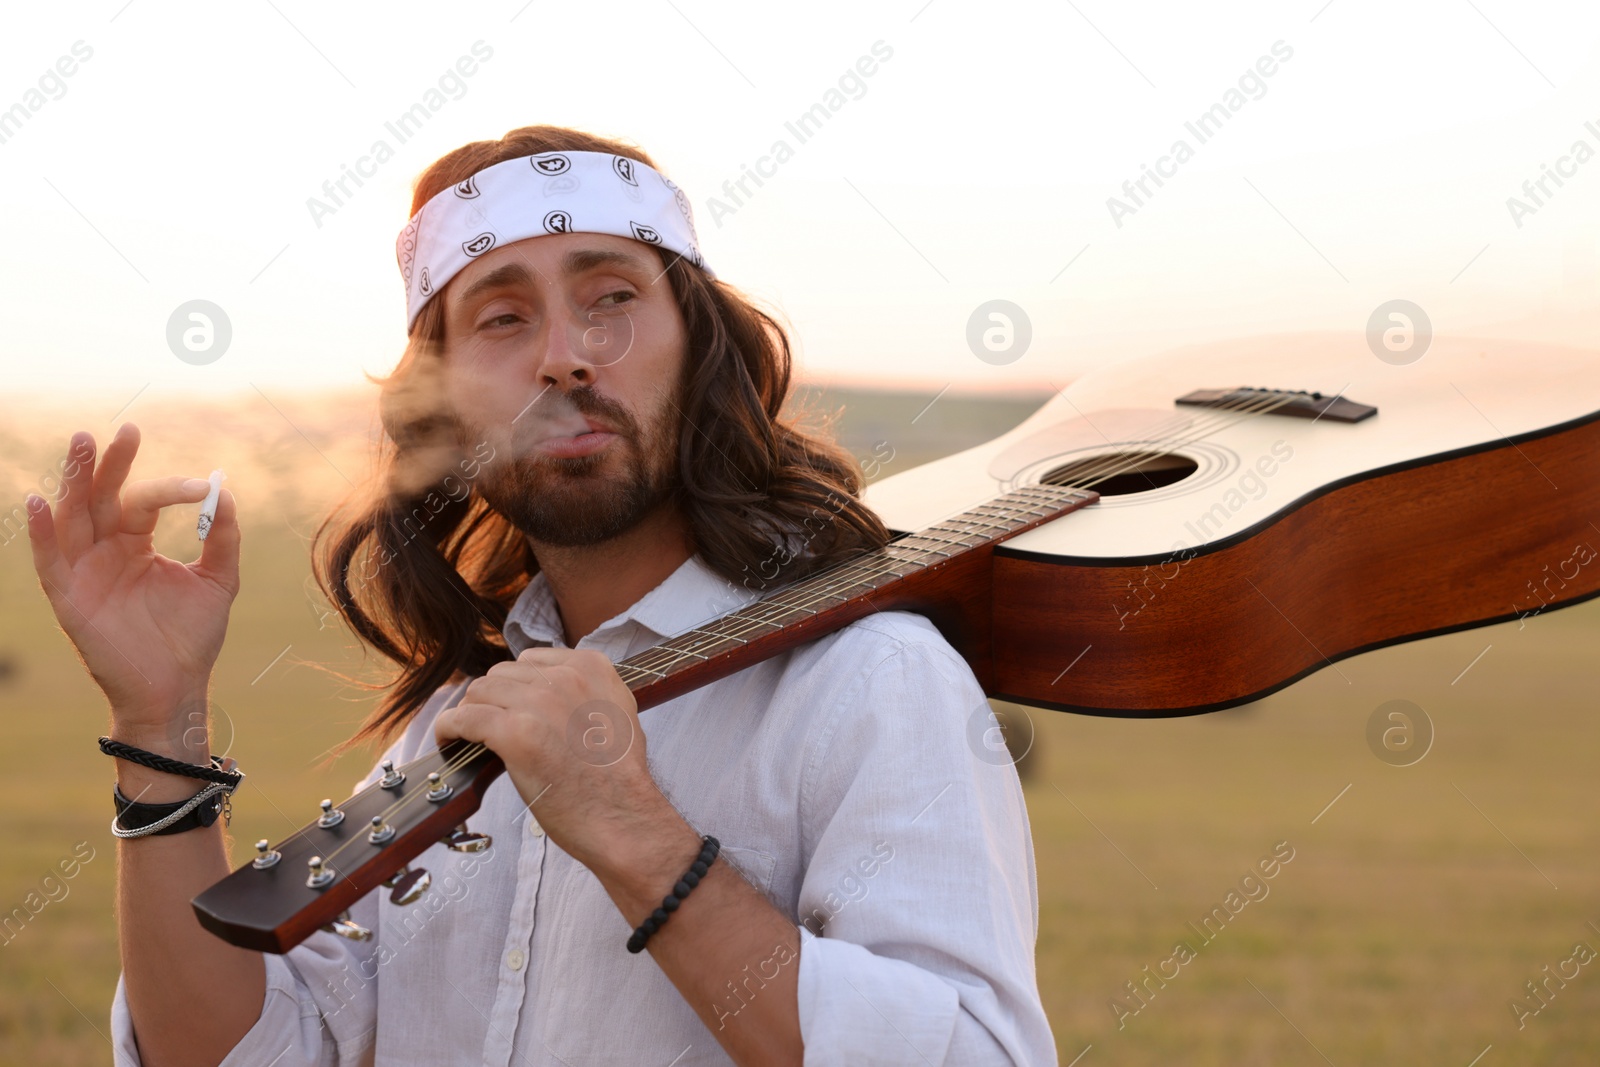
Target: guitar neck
[{"x": 829, "y": 600}]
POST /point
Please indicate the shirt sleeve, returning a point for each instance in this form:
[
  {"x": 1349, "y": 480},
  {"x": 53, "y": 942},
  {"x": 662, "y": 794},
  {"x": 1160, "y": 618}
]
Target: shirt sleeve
[
  {"x": 919, "y": 907},
  {"x": 321, "y": 1003}
]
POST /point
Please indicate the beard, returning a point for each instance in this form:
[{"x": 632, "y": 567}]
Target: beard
[{"x": 573, "y": 501}]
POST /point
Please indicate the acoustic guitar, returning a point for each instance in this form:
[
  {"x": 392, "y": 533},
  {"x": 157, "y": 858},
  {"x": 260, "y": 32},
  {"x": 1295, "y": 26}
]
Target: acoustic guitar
[{"x": 1171, "y": 536}]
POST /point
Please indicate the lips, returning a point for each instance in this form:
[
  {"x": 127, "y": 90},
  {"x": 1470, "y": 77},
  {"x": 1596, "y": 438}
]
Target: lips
[
  {"x": 578, "y": 436},
  {"x": 567, "y": 430}
]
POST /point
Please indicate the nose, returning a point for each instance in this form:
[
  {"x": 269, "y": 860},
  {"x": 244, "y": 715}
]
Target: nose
[{"x": 567, "y": 362}]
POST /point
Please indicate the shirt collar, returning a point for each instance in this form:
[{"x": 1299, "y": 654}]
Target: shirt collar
[{"x": 691, "y": 595}]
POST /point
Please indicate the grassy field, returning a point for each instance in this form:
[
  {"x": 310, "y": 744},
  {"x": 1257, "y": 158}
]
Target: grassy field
[{"x": 1413, "y": 911}]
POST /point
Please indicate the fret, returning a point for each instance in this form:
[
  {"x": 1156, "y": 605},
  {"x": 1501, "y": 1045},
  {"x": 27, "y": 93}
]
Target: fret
[
  {"x": 1009, "y": 520},
  {"x": 976, "y": 522},
  {"x": 639, "y": 668},
  {"x": 717, "y": 637},
  {"x": 653, "y": 660},
  {"x": 662, "y": 660},
  {"x": 726, "y": 644},
  {"x": 1047, "y": 498},
  {"x": 678, "y": 656},
  {"x": 934, "y": 551},
  {"x": 754, "y": 618},
  {"x": 958, "y": 543},
  {"x": 763, "y": 612},
  {"x": 800, "y": 607},
  {"x": 1009, "y": 510},
  {"x": 888, "y": 568},
  {"x": 726, "y": 641},
  {"x": 828, "y": 583}
]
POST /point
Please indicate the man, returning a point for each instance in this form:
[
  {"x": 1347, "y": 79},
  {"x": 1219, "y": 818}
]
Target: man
[{"x": 613, "y": 415}]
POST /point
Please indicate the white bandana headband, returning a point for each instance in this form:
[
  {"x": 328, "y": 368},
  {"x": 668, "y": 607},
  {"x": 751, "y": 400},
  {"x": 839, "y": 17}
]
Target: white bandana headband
[{"x": 531, "y": 196}]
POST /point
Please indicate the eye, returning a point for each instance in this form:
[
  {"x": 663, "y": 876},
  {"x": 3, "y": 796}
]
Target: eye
[
  {"x": 501, "y": 320},
  {"x": 620, "y": 292}
]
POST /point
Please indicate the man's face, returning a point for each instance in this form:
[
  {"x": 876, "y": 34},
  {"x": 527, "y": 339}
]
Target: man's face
[{"x": 565, "y": 354}]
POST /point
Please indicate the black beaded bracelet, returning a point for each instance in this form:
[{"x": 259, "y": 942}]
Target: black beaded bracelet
[
  {"x": 691, "y": 878},
  {"x": 213, "y": 773}
]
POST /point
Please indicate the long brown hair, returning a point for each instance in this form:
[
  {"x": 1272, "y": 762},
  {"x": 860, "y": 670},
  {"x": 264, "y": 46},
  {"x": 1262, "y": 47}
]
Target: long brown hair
[{"x": 440, "y": 568}]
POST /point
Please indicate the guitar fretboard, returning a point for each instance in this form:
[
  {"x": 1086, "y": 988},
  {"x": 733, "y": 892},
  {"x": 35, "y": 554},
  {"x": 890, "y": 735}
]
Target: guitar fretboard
[{"x": 972, "y": 529}]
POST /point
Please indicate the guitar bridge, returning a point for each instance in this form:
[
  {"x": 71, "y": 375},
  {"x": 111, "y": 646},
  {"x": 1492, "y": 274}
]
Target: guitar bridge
[{"x": 1298, "y": 403}]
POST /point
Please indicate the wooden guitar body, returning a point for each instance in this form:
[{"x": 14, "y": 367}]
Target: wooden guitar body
[{"x": 1471, "y": 497}]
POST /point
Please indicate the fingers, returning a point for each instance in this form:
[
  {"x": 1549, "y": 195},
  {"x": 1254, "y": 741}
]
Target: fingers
[
  {"x": 501, "y": 689},
  {"x": 53, "y": 570},
  {"x": 542, "y": 654},
  {"x": 105, "y": 498},
  {"x": 219, "y": 552},
  {"x": 143, "y": 500},
  {"x": 470, "y": 722},
  {"x": 74, "y": 528},
  {"x": 583, "y": 660}
]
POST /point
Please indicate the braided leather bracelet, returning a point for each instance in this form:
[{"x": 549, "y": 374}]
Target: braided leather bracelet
[
  {"x": 690, "y": 879},
  {"x": 213, "y": 773}
]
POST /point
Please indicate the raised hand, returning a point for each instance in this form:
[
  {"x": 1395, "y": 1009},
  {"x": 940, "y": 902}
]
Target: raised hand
[{"x": 148, "y": 628}]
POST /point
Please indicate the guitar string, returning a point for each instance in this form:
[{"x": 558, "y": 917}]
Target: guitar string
[{"x": 1248, "y": 409}]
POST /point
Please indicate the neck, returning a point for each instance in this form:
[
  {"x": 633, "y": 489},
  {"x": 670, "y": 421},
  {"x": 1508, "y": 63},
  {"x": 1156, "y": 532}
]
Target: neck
[{"x": 592, "y": 583}]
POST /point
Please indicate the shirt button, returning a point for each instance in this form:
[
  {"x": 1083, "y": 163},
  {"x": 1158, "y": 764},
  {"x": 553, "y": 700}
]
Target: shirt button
[
  {"x": 514, "y": 959},
  {"x": 534, "y": 828}
]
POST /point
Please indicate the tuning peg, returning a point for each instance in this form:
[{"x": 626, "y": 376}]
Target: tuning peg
[
  {"x": 438, "y": 788},
  {"x": 408, "y": 885},
  {"x": 320, "y": 874},
  {"x": 463, "y": 840},
  {"x": 265, "y": 856},
  {"x": 391, "y": 777},
  {"x": 344, "y": 926},
  {"x": 331, "y": 816},
  {"x": 381, "y": 831}
]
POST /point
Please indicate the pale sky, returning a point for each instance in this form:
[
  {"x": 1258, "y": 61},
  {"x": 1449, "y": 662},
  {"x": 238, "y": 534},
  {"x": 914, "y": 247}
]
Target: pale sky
[{"x": 975, "y": 163}]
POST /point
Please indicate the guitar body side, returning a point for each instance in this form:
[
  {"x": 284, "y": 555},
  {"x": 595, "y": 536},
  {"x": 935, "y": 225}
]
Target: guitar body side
[{"x": 1463, "y": 539}]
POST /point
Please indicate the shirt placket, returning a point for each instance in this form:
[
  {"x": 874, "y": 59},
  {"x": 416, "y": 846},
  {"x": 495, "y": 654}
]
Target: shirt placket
[{"x": 512, "y": 967}]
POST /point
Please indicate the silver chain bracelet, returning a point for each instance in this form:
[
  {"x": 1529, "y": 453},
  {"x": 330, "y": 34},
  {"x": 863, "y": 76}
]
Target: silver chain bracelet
[{"x": 211, "y": 790}]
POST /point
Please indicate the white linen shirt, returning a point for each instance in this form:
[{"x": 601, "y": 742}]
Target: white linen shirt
[{"x": 851, "y": 780}]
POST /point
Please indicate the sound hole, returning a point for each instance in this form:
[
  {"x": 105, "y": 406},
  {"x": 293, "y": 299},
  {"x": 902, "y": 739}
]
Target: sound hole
[{"x": 1121, "y": 473}]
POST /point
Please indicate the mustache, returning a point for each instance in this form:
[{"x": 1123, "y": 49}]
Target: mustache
[{"x": 583, "y": 401}]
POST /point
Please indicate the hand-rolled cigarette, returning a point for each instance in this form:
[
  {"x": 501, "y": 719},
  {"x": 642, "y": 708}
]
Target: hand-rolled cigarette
[{"x": 208, "y": 509}]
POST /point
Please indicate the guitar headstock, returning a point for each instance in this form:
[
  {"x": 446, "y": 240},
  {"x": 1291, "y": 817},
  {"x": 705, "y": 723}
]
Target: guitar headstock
[{"x": 309, "y": 880}]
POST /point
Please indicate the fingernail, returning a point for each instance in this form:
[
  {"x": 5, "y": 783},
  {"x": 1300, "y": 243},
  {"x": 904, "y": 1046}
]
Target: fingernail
[{"x": 194, "y": 485}]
